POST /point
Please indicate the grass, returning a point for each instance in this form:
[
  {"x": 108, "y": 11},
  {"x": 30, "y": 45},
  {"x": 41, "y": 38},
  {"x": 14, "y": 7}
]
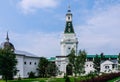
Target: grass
[
  {"x": 113, "y": 80},
  {"x": 72, "y": 79},
  {"x": 2, "y": 81},
  {"x": 37, "y": 80}
]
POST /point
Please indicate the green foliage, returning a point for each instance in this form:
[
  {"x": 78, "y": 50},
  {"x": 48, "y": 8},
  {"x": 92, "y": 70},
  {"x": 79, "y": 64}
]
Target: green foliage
[
  {"x": 47, "y": 68},
  {"x": 71, "y": 79},
  {"x": 102, "y": 56},
  {"x": 42, "y": 81},
  {"x": 7, "y": 63},
  {"x": 52, "y": 69},
  {"x": 67, "y": 79},
  {"x": 80, "y": 62},
  {"x": 114, "y": 79},
  {"x": 72, "y": 57},
  {"x": 31, "y": 75},
  {"x": 72, "y": 60},
  {"x": 77, "y": 61},
  {"x": 42, "y": 67},
  {"x": 97, "y": 63},
  {"x": 119, "y": 58}
]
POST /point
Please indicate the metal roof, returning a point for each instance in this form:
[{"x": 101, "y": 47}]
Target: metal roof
[
  {"x": 106, "y": 56},
  {"x": 24, "y": 53}
]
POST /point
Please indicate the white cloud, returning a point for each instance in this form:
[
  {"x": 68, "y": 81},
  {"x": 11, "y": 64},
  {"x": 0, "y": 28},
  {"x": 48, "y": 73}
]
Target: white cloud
[
  {"x": 101, "y": 33},
  {"x": 31, "y": 5}
]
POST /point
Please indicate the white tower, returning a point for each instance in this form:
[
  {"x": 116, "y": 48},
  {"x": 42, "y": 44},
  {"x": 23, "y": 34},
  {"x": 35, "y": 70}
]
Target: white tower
[{"x": 69, "y": 40}]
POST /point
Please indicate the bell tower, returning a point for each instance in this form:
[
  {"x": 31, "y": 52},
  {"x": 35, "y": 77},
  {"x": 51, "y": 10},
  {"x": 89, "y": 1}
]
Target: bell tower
[{"x": 69, "y": 40}]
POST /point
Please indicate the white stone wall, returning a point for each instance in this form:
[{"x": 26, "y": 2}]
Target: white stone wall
[
  {"x": 68, "y": 42},
  {"x": 107, "y": 67},
  {"x": 89, "y": 67},
  {"x": 61, "y": 64},
  {"x": 30, "y": 64},
  {"x": 25, "y": 65},
  {"x": 20, "y": 68}
]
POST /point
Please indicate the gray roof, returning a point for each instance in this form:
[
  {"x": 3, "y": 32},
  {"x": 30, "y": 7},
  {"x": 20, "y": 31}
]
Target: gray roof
[
  {"x": 18, "y": 52},
  {"x": 113, "y": 61}
]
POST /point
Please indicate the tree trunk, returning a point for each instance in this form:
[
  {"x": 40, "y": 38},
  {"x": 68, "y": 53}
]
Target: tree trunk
[{"x": 6, "y": 78}]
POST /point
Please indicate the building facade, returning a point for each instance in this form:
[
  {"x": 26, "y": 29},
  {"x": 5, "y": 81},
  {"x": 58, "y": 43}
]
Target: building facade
[{"x": 26, "y": 62}]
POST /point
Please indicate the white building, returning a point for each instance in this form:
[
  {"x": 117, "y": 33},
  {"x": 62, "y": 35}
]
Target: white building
[
  {"x": 27, "y": 62},
  {"x": 89, "y": 67},
  {"x": 109, "y": 66}
]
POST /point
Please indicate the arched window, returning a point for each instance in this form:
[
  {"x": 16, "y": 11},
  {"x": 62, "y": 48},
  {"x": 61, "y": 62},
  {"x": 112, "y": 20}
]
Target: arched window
[
  {"x": 30, "y": 63},
  {"x": 68, "y": 17},
  {"x": 25, "y": 63}
]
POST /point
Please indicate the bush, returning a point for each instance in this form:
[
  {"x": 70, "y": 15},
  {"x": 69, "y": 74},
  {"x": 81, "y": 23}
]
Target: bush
[
  {"x": 42, "y": 81},
  {"x": 102, "y": 78},
  {"x": 67, "y": 79},
  {"x": 31, "y": 75},
  {"x": 19, "y": 78}
]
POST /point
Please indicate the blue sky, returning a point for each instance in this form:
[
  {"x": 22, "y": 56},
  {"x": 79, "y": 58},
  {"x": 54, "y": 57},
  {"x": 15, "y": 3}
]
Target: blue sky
[{"x": 36, "y": 26}]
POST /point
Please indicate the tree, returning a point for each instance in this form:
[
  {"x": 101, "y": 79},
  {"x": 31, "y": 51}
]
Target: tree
[
  {"x": 102, "y": 56},
  {"x": 80, "y": 62},
  {"x": 72, "y": 61},
  {"x": 77, "y": 61},
  {"x": 97, "y": 63},
  {"x": 52, "y": 69},
  {"x": 119, "y": 61},
  {"x": 7, "y": 64},
  {"x": 31, "y": 75},
  {"x": 42, "y": 67}
]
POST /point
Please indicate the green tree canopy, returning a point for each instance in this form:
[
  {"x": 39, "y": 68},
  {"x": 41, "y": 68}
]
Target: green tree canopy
[
  {"x": 80, "y": 61},
  {"x": 102, "y": 56},
  {"x": 46, "y": 68},
  {"x": 119, "y": 61},
  {"x": 72, "y": 60},
  {"x": 7, "y": 63},
  {"x": 52, "y": 69},
  {"x": 77, "y": 61},
  {"x": 42, "y": 67},
  {"x": 97, "y": 63}
]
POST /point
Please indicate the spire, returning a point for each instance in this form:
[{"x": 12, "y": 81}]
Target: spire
[
  {"x": 69, "y": 8},
  {"x": 69, "y": 26},
  {"x": 7, "y": 37}
]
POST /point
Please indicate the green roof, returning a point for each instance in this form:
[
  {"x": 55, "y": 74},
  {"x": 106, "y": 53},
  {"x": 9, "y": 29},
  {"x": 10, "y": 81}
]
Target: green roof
[
  {"x": 51, "y": 59},
  {"x": 69, "y": 27},
  {"x": 106, "y": 56}
]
